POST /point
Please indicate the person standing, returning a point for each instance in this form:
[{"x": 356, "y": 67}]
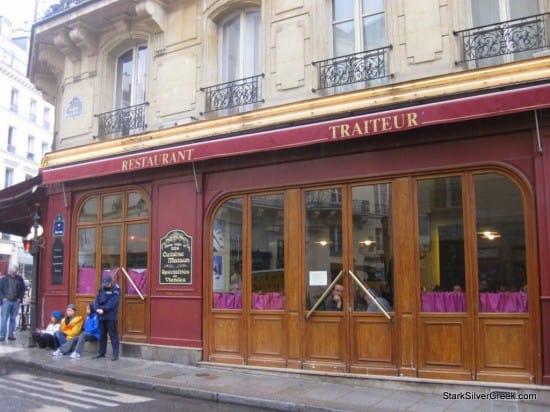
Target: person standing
[
  {"x": 106, "y": 306},
  {"x": 71, "y": 326},
  {"x": 12, "y": 292}
]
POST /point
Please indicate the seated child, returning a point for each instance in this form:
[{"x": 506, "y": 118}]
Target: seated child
[
  {"x": 71, "y": 326},
  {"x": 44, "y": 337},
  {"x": 90, "y": 333}
]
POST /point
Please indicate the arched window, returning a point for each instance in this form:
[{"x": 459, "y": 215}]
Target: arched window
[{"x": 113, "y": 232}]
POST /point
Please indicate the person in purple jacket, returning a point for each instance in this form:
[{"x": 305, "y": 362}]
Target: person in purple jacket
[{"x": 90, "y": 332}]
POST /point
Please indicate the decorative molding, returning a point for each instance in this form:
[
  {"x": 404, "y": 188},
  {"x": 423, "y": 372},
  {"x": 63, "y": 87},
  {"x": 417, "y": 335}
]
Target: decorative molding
[
  {"x": 64, "y": 43},
  {"x": 50, "y": 57},
  {"x": 153, "y": 14},
  {"x": 84, "y": 38}
]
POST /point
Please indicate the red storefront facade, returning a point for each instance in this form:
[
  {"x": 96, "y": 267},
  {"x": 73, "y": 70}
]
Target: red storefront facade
[{"x": 425, "y": 163}]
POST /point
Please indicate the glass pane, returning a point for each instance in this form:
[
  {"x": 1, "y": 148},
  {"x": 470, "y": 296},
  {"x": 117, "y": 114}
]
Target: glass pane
[
  {"x": 485, "y": 12},
  {"x": 373, "y": 6},
  {"x": 343, "y": 38},
  {"x": 88, "y": 213},
  {"x": 231, "y": 45},
  {"x": 374, "y": 32},
  {"x": 342, "y": 9},
  {"x": 141, "y": 81},
  {"x": 268, "y": 252},
  {"x": 500, "y": 245},
  {"x": 110, "y": 249},
  {"x": 323, "y": 212},
  {"x": 86, "y": 261},
  {"x": 137, "y": 205},
  {"x": 523, "y": 8},
  {"x": 372, "y": 246},
  {"x": 441, "y": 242},
  {"x": 252, "y": 45},
  {"x": 124, "y": 79},
  {"x": 136, "y": 258},
  {"x": 112, "y": 207},
  {"x": 227, "y": 256}
]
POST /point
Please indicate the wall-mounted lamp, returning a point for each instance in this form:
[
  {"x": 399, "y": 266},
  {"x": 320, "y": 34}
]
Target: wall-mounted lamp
[{"x": 367, "y": 242}]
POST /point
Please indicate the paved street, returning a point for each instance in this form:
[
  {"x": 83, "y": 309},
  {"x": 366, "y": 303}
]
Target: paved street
[
  {"x": 262, "y": 389},
  {"x": 23, "y": 390}
]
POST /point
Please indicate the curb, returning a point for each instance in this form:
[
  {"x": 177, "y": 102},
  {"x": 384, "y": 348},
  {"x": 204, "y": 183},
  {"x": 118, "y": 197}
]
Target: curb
[{"x": 194, "y": 393}]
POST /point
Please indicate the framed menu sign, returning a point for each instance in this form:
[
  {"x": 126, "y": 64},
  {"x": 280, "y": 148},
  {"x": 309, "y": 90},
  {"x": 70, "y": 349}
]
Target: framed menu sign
[
  {"x": 57, "y": 261},
  {"x": 175, "y": 258}
]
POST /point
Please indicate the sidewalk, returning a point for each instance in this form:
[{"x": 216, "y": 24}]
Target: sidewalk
[{"x": 279, "y": 389}]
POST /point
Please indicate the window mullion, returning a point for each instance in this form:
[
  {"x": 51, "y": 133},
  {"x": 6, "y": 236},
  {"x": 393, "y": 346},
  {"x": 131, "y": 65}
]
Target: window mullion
[{"x": 358, "y": 23}]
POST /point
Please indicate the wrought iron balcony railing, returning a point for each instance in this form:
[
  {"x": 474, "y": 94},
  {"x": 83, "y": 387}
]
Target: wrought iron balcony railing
[
  {"x": 500, "y": 39},
  {"x": 122, "y": 122},
  {"x": 353, "y": 68},
  {"x": 233, "y": 94}
]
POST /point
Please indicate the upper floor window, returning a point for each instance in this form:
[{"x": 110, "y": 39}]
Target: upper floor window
[
  {"x": 496, "y": 11},
  {"x": 131, "y": 77},
  {"x": 357, "y": 25},
  {"x": 30, "y": 147},
  {"x": 239, "y": 39},
  {"x": 32, "y": 111},
  {"x": 503, "y": 31},
  {"x": 14, "y": 107},
  {"x": 44, "y": 149},
  {"x": 11, "y": 137},
  {"x": 46, "y": 118},
  {"x": 8, "y": 177}
]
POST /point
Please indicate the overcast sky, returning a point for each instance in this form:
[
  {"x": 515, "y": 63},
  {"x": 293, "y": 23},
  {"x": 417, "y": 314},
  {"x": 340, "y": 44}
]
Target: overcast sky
[{"x": 21, "y": 12}]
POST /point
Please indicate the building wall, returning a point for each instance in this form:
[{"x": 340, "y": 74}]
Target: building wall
[
  {"x": 23, "y": 160},
  {"x": 182, "y": 39}
]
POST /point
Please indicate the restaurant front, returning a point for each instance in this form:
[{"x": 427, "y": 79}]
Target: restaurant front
[{"x": 429, "y": 220}]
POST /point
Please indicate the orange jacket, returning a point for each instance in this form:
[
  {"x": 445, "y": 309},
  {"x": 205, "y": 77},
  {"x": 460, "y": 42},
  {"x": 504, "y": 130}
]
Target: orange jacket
[{"x": 73, "y": 328}]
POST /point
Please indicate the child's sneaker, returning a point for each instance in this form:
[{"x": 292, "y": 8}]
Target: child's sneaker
[
  {"x": 57, "y": 352},
  {"x": 75, "y": 355}
]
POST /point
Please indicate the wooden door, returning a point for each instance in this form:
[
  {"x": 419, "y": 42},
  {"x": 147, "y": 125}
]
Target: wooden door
[
  {"x": 348, "y": 255},
  {"x": 113, "y": 239}
]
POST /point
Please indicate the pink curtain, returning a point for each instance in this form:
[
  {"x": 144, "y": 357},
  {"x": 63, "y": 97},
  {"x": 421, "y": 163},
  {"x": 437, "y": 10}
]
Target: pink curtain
[
  {"x": 139, "y": 277},
  {"x": 269, "y": 300},
  {"x": 227, "y": 300},
  {"x": 443, "y": 302},
  {"x": 266, "y": 301},
  {"x": 503, "y": 302},
  {"x": 86, "y": 281}
]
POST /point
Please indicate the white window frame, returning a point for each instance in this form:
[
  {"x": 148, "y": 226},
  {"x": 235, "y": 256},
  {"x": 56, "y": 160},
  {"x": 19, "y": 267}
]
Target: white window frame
[
  {"x": 245, "y": 69},
  {"x": 136, "y": 96},
  {"x": 357, "y": 19}
]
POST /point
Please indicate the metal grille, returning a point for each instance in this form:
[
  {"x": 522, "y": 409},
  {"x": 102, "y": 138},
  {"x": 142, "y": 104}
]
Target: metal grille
[
  {"x": 233, "y": 94},
  {"x": 504, "y": 38},
  {"x": 122, "y": 122},
  {"x": 353, "y": 68}
]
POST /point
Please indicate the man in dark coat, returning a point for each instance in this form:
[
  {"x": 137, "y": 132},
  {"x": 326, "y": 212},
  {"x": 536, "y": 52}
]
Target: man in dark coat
[
  {"x": 106, "y": 306},
  {"x": 12, "y": 292}
]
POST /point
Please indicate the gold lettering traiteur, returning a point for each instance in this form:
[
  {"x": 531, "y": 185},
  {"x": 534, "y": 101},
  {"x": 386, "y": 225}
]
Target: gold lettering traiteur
[
  {"x": 374, "y": 125},
  {"x": 156, "y": 160}
]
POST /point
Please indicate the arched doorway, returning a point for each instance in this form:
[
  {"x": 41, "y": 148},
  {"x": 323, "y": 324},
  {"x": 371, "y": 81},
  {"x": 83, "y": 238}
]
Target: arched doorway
[{"x": 112, "y": 232}]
